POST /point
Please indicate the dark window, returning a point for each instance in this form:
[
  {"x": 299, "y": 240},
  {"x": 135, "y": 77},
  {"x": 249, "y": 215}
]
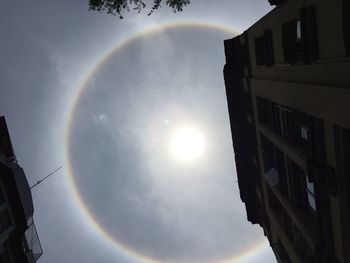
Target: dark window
[
  {"x": 293, "y": 48},
  {"x": 309, "y": 33},
  {"x": 292, "y": 181},
  {"x": 310, "y": 190},
  {"x": 263, "y": 108},
  {"x": 287, "y": 123},
  {"x": 288, "y": 225},
  {"x": 301, "y": 136},
  {"x": 267, "y": 152},
  {"x": 299, "y": 37},
  {"x": 301, "y": 189},
  {"x": 269, "y": 114},
  {"x": 274, "y": 165},
  {"x": 264, "y": 49},
  {"x": 346, "y": 26},
  {"x": 295, "y": 127},
  {"x": 272, "y": 200},
  {"x": 297, "y": 185},
  {"x": 270, "y": 58},
  {"x": 260, "y": 51},
  {"x": 281, "y": 168}
]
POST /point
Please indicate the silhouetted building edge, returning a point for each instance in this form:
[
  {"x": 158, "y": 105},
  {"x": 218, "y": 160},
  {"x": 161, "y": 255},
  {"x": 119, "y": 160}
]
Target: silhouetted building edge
[{"x": 19, "y": 241}]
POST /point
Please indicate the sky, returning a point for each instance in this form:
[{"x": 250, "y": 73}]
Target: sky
[{"x": 115, "y": 103}]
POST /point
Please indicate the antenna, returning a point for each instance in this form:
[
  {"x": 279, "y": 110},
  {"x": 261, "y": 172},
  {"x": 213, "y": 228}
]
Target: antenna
[{"x": 39, "y": 181}]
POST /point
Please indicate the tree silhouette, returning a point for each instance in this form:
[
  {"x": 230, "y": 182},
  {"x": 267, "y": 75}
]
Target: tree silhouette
[{"x": 116, "y": 7}]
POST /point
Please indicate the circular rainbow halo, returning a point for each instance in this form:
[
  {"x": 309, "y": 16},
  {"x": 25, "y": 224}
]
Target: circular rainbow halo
[{"x": 187, "y": 144}]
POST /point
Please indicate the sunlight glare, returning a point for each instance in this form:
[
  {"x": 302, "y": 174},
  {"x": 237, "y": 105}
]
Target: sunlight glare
[{"x": 187, "y": 144}]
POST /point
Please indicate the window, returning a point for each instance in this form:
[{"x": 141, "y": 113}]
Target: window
[
  {"x": 293, "y": 48},
  {"x": 260, "y": 51},
  {"x": 269, "y": 114},
  {"x": 303, "y": 138},
  {"x": 294, "y": 127},
  {"x": 263, "y": 109},
  {"x": 299, "y": 37},
  {"x": 264, "y": 53},
  {"x": 272, "y": 177},
  {"x": 270, "y": 58},
  {"x": 304, "y": 132},
  {"x": 346, "y": 26},
  {"x": 274, "y": 165},
  {"x": 298, "y": 30},
  {"x": 308, "y": 27},
  {"x": 297, "y": 194},
  {"x": 301, "y": 188},
  {"x": 310, "y": 190},
  {"x": 287, "y": 123}
]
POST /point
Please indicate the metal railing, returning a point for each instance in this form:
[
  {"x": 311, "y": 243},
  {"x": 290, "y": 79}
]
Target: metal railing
[{"x": 31, "y": 243}]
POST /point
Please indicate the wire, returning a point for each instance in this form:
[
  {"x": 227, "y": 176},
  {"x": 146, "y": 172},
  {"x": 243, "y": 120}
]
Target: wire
[{"x": 39, "y": 181}]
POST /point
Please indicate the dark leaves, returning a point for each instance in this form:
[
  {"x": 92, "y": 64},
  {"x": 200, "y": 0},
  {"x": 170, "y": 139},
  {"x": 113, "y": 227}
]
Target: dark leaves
[{"x": 116, "y": 7}]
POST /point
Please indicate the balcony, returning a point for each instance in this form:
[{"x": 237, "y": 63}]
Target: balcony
[{"x": 31, "y": 243}]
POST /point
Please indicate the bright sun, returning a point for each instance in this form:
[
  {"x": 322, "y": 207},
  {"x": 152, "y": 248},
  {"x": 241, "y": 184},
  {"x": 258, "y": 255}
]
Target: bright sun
[{"x": 187, "y": 144}]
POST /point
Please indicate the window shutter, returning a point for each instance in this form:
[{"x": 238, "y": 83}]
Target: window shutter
[{"x": 309, "y": 33}]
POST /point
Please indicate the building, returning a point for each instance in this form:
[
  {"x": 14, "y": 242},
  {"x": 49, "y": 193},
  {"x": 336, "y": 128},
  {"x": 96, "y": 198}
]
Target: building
[
  {"x": 287, "y": 81},
  {"x": 19, "y": 242}
]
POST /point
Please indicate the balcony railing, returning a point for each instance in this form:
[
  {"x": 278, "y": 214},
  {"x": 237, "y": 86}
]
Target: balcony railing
[{"x": 31, "y": 243}]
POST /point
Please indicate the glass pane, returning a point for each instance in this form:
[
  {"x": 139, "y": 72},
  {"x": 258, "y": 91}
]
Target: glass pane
[
  {"x": 311, "y": 200},
  {"x": 298, "y": 30},
  {"x": 272, "y": 177},
  {"x": 310, "y": 186},
  {"x": 304, "y": 132}
]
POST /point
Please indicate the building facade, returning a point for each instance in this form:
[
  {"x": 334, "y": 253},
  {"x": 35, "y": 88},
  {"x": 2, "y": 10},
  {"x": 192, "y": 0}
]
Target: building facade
[
  {"x": 19, "y": 242},
  {"x": 287, "y": 82}
]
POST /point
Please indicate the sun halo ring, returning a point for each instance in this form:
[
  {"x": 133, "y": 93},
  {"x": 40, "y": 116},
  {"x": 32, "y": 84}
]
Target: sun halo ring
[{"x": 118, "y": 244}]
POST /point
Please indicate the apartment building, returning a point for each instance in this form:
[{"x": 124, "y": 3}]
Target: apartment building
[
  {"x": 287, "y": 81},
  {"x": 19, "y": 242}
]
